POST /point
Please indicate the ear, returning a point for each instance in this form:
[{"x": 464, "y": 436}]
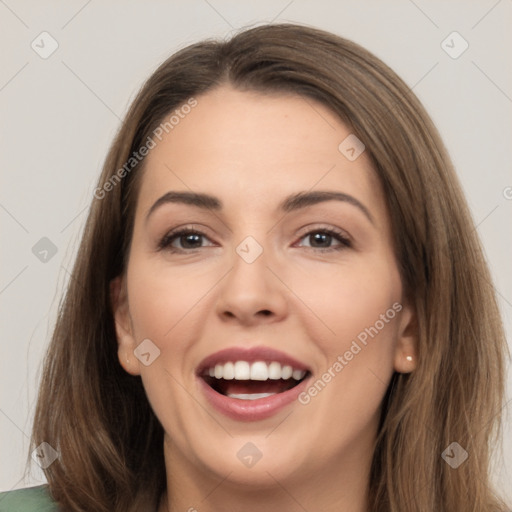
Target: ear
[
  {"x": 406, "y": 349},
  {"x": 124, "y": 328}
]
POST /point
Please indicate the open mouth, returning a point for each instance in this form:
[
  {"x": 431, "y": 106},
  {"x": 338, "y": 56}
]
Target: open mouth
[{"x": 243, "y": 380}]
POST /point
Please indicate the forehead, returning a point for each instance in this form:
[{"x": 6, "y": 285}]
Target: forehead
[{"x": 254, "y": 148}]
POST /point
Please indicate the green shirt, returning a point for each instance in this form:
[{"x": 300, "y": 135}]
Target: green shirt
[{"x": 32, "y": 499}]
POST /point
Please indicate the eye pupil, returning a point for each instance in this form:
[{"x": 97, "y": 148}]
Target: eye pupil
[
  {"x": 190, "y": 240},
  {"x": 322, "y": 237}
]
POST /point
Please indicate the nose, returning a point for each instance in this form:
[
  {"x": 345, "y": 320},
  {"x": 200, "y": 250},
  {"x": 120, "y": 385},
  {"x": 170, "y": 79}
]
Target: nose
[{"x": 252, "y": 292}]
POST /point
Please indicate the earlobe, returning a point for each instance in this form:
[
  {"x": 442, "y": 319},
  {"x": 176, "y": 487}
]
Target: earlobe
[
  {"x": 127, "y": 358},
  {"x": 124, "y": 331},
  {"x": 406, "y": 351}
]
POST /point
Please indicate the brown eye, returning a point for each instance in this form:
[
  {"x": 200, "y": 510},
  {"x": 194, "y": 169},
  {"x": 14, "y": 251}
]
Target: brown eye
[
  {"x": 322, "y": 239},
  {"x": 187, "y": 239}
]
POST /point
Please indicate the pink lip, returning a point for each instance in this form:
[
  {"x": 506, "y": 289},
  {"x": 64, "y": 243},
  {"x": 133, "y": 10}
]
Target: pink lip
[
  {"x": 250, "y": 355},
  {"x": 250, "y": 410}
]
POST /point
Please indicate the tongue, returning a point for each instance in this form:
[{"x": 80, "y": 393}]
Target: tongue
[{"x": 229, "y": 387}]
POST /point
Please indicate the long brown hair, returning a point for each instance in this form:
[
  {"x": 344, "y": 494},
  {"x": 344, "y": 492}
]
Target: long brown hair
[{"x": 98, "y": 417}]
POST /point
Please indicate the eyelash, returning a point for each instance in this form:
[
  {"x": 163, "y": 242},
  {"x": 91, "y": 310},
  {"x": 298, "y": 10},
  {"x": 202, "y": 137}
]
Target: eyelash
[{"x": 166, "y": 241}]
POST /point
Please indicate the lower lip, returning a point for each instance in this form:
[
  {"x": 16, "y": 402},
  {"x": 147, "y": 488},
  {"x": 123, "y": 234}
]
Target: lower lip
[{"x": 251, "y": 410}]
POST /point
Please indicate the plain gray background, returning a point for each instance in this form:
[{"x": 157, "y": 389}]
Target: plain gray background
[{"x": 60, "y": 113}]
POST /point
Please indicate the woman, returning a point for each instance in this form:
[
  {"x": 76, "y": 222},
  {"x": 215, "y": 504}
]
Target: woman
[{"x": 279, "y": 302}]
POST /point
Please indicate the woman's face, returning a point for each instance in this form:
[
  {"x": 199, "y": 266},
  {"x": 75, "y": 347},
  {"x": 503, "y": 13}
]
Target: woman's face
[{"x": 287, "y": 263}]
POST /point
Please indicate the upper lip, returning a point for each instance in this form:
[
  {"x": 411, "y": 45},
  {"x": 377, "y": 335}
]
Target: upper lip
[{"x": 249, "y": 354}]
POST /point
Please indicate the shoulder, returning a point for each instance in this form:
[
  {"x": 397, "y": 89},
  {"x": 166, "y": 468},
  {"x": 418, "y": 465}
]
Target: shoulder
[{"x": 31, "y": 499}]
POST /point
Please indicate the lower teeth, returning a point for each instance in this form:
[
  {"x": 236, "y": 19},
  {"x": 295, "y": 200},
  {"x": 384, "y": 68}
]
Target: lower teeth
[{"x": 251, "y": 396}]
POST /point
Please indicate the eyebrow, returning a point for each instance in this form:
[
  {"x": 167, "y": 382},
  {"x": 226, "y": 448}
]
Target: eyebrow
[{"x": 291, "y": 203}]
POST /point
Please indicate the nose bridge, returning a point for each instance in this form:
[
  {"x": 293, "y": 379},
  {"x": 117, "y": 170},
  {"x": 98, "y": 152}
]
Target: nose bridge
[
  {"x": 250, "y": 287},
  {"x": 250, "y": 250},
  {"x": 249, "y": 270}
]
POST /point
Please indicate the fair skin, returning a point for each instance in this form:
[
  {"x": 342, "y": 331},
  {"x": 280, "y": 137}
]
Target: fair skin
[{"x": 251, "y": 151}]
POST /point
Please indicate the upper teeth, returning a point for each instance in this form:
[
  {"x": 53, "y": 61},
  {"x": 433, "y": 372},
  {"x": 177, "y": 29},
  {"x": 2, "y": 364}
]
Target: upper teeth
[{"x": 259, "y": 370}]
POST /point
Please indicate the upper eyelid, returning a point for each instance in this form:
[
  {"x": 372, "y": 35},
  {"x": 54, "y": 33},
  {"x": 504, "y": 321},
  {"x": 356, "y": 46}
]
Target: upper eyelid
[
  {"x": 319, "y": 227},
  {"x": 304, "y": 229}
]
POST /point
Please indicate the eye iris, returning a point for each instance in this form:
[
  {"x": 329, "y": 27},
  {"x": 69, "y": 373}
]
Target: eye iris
[
  {"x": 190, "y": 240},
  {"x": 322, "y": 237}
]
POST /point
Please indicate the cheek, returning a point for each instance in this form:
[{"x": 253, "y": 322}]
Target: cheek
[
  {"x": 352, "y": 302},
  {"x": 163, "y": 299},
  {"x": 356, "y": 336},
  {"x": 166, "y": 305},
  {"x": 169, "y": 306}
]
